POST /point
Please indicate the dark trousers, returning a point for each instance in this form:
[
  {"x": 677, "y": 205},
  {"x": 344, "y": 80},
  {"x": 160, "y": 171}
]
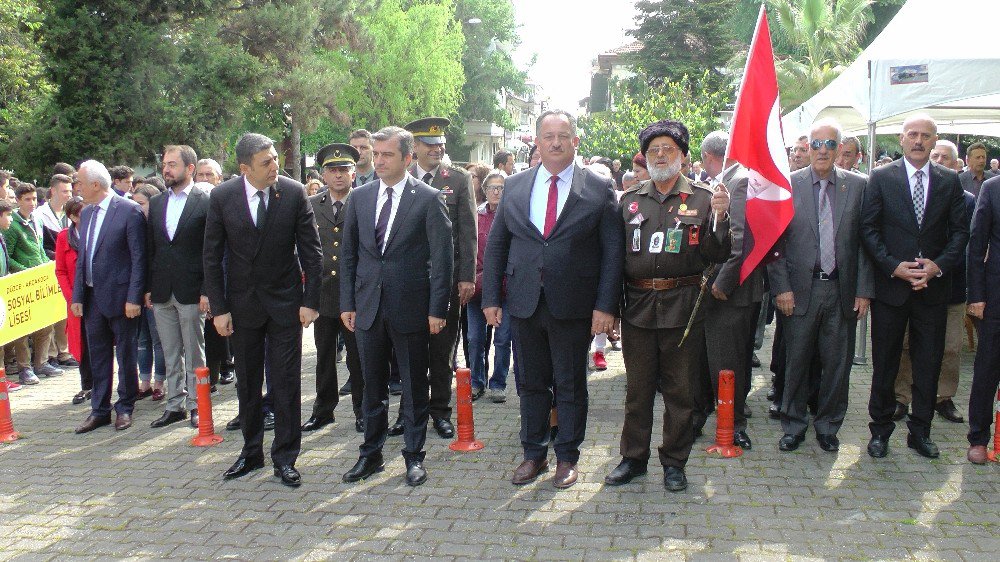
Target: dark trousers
[
  {"x": 654, "y": 362},
  {"x": 779, "y": 358},
  {"x": 729, "y": 332},
  {"x": 442, "y": 349},
  {"x": 374, "y": 345},
  {"x": 986, "y": 376},
  {"x": 86, "y": 372},
  {"x": 280, "y": 348},
  {"x": 823, "y": 329},
  {"x": 326, "y": 332},
  {"x": 107, "y": 338},
  {"x": 552, "y": 354},
  {"x": 926, "y": 329},
  {"x": 216, "y": 351}
]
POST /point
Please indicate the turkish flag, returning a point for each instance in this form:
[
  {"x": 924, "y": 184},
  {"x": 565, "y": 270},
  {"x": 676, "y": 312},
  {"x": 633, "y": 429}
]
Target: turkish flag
[{"x": 756, "y": 142}]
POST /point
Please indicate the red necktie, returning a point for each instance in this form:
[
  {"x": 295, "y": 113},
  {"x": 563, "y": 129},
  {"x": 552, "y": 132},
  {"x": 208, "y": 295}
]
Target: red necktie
[{"x": 550, "y": 207}]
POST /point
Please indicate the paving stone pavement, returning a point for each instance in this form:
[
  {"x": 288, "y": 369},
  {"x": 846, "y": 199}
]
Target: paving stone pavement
[{"x": 147, "y": 493}]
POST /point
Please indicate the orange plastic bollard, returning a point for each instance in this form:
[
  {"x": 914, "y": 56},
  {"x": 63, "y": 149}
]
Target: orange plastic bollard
[
  {"x": 7, "y": 433},
  {"x": 994, "y": 455},
  {"x": 725, "y": 417},
  {"x": 206, "y": 427},
  {"x": 466, "y": 433}
]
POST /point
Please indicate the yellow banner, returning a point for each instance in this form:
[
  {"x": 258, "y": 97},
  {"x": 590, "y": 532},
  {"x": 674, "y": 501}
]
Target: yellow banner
[{"x": 29, "y": 301}]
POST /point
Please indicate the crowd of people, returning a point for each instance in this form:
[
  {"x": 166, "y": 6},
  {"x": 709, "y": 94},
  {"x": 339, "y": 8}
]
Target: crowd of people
[{"x": 408, "y": 265}]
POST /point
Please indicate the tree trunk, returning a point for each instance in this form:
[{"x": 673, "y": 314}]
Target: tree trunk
[{"x": 296, "y": 152}]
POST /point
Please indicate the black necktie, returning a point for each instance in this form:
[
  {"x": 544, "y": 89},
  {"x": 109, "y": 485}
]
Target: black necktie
[
  {"x": 337, "y": 206},
  {"x": 261, "y": 210},
  {"x": 383, "y": 218},
  {"x": 428, "y": 178}
]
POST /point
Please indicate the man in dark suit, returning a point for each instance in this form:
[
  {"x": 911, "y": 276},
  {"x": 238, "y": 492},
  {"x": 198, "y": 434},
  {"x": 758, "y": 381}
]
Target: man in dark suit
[
  {"x": 111, "y": 279},
  {"x": 731, "y": 311},
  {"x": 176, "y": 235},
  {"x": 558, "y": 239},
  {"x": 984, "y": 304},
  {"x": 397, "y": 271},
  {"x": 976, "y": 173},
  {"x": 337, "y": 164},
  {"x": 455, "y": 188},
  {"x": 913, "y": 226},
  {"x": 262, "y": 224},
  {"x": 823, "y": 286}
]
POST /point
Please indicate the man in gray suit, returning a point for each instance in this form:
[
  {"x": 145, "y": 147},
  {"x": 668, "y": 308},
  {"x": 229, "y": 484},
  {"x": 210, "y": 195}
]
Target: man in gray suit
[
  {"x": 823, "y": 285},
  {"x": 396, "y": 279},
  {"x": 558, "y": 240},
  {"x": 731, "y": 312}
]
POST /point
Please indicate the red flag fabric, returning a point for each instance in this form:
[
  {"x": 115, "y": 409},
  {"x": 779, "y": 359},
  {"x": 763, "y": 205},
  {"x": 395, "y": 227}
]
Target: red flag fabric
[{"x": 756, "y": 142}]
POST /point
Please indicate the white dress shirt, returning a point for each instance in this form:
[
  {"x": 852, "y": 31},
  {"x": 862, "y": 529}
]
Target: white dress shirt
[
  {"x": 397, "y": 192},
  {"x": 175, "y": 206},
  {"x": 421, "y": 172},
  {"x": 252, "y": 199},
  {"x": 100, "y": 211},
  {"x": 911, "y": 175},
  {"x": 540, "y": 195}
]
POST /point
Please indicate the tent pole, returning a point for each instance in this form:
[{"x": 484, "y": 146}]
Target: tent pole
[{"x": 861, "y": 349}]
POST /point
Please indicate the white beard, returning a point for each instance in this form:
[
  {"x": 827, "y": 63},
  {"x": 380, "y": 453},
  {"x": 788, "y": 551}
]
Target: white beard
[{"x": 662, "y": 174}]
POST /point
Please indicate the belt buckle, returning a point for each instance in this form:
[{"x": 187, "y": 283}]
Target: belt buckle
[{"x": 824, "y": 276}]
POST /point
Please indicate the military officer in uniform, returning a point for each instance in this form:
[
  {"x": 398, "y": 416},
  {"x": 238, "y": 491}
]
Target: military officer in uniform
[
  {"x": 455, "y": 185},
  {"x": 674, "y": 231},
  {"x": 337, "y": 163}
]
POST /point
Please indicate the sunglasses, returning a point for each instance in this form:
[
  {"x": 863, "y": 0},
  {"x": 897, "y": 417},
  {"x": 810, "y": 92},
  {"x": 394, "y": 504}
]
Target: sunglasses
[{"x": 829, "y": 143}]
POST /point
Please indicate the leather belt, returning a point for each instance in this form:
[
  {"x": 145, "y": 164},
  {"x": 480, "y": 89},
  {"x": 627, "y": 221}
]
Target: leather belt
[{"x": 664, "y": 284}]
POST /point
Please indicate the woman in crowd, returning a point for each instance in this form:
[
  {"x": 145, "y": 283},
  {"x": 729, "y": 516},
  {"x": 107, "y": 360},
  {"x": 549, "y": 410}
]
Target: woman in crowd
[
  {"x": 534, "y": 157},
  {"x": 150, "y": 350},
  {"x": 313, "y": 186},
  {"x": 67, "y": 247},
  {"x": 479, "y": 173}
]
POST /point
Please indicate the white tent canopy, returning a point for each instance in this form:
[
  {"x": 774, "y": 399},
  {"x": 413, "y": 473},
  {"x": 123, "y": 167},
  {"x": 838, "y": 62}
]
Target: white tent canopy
[{"x": 939, "y": 59}]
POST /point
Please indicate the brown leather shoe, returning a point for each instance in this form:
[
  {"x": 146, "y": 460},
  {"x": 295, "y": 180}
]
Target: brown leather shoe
[
  {"x": 977, "y": 454},
  {"x": 92, "y": 423},
  {"x": 528, "y": 471},
  {"x": 123, "y": 421},
  {"x": 565, "y": 475}
]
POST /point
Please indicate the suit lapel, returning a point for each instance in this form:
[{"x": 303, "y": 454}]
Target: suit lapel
[
  {"x": 575, "y": 194},
  {"x": 906, "y": 195},
  {"x": 523, "y": 204},
  {"x": 840, "y": 198},
  {"x": 273, "y": 204},
  {"x": 106, "y": 224},
  {"x": 193, "y": 199},
  {"x": 405, "y": 202},
  {"x": 326, "y": 207},
  {"x": 805, "y": 189}
]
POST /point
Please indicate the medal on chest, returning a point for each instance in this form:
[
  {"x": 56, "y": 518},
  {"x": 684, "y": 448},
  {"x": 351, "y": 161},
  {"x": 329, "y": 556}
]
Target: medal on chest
[{"x": 656, "y": 243}]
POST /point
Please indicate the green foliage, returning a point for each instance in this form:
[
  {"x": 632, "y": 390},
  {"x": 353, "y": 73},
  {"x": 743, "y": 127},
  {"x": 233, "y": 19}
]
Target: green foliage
[
  {"x": 614, "y": 133},
  {"x": 22, "y": 81}
]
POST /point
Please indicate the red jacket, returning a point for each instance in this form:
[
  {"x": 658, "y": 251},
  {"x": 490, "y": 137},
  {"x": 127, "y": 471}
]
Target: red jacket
[
  {"x": 484, "y": 221},
  {"x": 66, "y": 273}
]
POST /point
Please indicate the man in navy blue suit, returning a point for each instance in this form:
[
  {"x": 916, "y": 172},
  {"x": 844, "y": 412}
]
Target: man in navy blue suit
[{"x": 112, "y": 271}]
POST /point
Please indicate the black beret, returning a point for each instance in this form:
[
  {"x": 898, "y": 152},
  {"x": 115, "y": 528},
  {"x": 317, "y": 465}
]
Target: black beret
[{"x": 666, "y": 128}]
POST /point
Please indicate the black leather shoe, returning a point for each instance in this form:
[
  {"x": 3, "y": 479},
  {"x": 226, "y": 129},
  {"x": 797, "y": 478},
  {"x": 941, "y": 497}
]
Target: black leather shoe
[
  {"x": 396, "y": 428},
  {"x": 754, "y": 360},
  {"x": 674, "y": 479},
  {"x": 365, "y": 467},
  {"x": 346, "y": 389},
  {"x": 774, "y": 411},
  {"x": 194, "y": 418},
  {"x": 81, "y": 397},
  {"x": 790, "y": 442},
  {"x": 316, "y": 422},
  {"x": 947, "y": 410},
  {"x": 478, "y": 393},
  {"x": 415, "y": 473},
  {"x": 269, "y": 421},
  {"x": 289, "y": 476},
  {"x": 828, "y": 442},
  {"x": 742, "y": 440},
  {"x": 444, "y": 428},
  {"x": 234, "y": 423},
  {"x": 772, "y": 394},
  {"x": 227, "y": 377},
  {"x": 213, "y": 390},
  {"x": 242, "y": 467},
  {"x": 878, "y": 446},
  {"x": 395, "y": 388},
  {"x": 923, "y": 446},
  {"x": 359, "y": 425},
  {"x": 168, "y": 418},
  {"x": 625, "y": 472},
  {"x": 900, "y": 411}
]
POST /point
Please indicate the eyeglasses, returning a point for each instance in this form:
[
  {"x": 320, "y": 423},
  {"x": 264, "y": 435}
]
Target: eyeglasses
[
  {"x": 493, "y": 188},
  {"x": 662, "y": 149},
  {"x": 830, "y": 144}
]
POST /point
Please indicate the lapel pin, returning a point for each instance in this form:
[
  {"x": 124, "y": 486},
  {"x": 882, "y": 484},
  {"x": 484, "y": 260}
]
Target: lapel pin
[{"x": 413, "y": 191}]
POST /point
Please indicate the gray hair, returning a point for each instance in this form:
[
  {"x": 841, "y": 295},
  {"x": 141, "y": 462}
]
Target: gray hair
[
  {"x": 494, "y": 174},
  {"x": 250, "y": 144},
  {"x": 559, "y": 112},
  {"x": 715, "y": 143},
  {"x": 388, "y": 133},
  {"x": 97, "y": 172},
  {"x": 950, "y": 146},
  {"x": 628, "y": 176},
  {"x": 212, "y": 163},
  {"x": 857, "y": 144},
  {"x": 828, "y": 122}
]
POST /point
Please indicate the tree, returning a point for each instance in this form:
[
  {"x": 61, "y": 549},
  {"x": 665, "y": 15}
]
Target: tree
[
  {"x": 22, "y": 74},
  {"x": 615, "y": 133},
  {"x": 681, "y": 37}
]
